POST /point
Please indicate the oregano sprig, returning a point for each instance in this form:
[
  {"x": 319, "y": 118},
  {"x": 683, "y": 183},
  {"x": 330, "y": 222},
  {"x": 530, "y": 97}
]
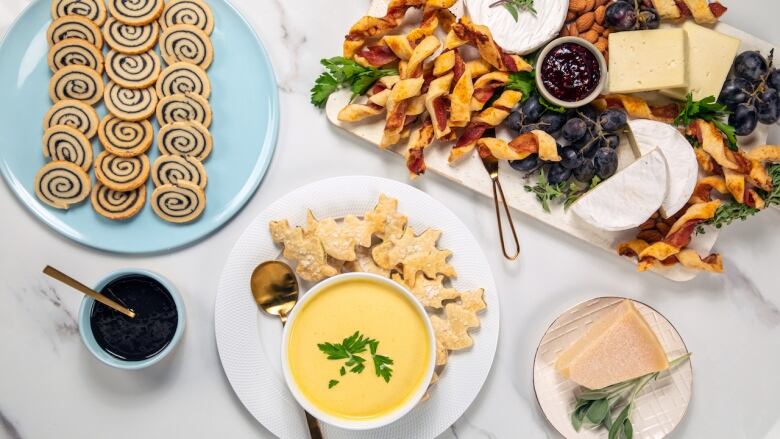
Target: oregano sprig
[{"x": 515, "y": 6}]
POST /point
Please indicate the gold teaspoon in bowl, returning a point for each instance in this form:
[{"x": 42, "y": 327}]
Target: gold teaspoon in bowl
[
  {"x": 275, "y": 290},
  {"x": 73, "y": 283}
]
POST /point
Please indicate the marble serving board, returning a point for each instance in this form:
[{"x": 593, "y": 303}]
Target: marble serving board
[{"x": 470, "y": 173}]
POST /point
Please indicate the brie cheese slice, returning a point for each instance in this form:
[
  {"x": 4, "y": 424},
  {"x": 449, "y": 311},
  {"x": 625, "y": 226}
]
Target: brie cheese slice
[
  {"x": 628, "y": 198},
  {"x": 530, "y": 31},
  {"x": 681, "y": 164}
]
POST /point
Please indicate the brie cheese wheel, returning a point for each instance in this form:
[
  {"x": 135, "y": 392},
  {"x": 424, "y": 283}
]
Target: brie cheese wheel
[
  {"x": 681, "y": 164},
  {"x": 530, "y": 31},
  {"x": 628, "y": 198}
]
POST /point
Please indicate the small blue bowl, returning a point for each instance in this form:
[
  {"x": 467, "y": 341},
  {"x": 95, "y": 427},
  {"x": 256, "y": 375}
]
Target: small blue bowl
[{"x": 85, "y": 328}]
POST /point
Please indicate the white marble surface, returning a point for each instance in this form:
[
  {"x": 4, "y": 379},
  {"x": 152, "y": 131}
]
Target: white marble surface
[{"x": 50, "y": 386}]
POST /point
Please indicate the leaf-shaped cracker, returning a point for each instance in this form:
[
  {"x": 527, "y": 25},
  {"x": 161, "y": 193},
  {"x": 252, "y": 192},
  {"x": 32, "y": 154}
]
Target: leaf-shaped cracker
[
  {"x": 430, "y": 293},
  {"x": 397, "y": 249},
  {"x": 432, "y": 264},
  {"x": 306, "y": 250},
  {"x": 442, "y": 353},
  {"x": 364, "y": 263},
  {"x": 340, "y": 239},
  {"x": 385, "y": 219},
  {"x": 453, "y": 331}
]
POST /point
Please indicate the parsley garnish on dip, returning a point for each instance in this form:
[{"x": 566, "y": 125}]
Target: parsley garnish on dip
[{"x": 373, "y": 370}]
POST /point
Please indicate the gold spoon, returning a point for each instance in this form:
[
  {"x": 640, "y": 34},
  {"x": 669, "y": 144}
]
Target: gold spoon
[
  {"x": 73, "y": 283},
  {"x": 275, "y": 289}
]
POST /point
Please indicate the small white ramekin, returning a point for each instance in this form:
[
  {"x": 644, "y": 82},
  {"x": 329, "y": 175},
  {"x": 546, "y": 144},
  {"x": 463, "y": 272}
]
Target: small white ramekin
[
  {"x": 352, "y": 424},
  {"x": 586, "y": 44}
]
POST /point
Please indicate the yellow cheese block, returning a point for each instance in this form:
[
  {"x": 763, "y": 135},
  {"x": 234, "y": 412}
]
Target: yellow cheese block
[
  {"x": 619, "y": 346},
  {"x": 710, "y": 55},
  {"x": 647, "y": 60}
]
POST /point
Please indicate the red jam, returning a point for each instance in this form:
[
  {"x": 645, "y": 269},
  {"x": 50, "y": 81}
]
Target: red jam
[{"x": 570, "y": 72}]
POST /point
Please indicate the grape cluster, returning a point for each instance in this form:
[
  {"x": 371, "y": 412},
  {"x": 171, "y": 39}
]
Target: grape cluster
[
  {"x": 623, "y": 15},
  {"x": 587, "y": 140},
  {"x": 753, "y": 93}
]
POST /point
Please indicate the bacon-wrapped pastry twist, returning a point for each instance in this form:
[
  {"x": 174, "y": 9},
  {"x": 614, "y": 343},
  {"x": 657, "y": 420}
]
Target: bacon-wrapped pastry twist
[
  {"x": 465, "y": 31},
  {"x": 488, "y": 118},
  {"x": 702, "y": 11},
  {"x": 638, "y": 108}
]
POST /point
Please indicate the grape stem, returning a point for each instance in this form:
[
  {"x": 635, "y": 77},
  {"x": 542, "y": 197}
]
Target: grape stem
[{"x": 764, "y": 78}]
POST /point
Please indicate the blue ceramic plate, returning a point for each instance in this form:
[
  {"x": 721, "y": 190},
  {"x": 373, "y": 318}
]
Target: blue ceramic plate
[{"x": 245, "y": 105}]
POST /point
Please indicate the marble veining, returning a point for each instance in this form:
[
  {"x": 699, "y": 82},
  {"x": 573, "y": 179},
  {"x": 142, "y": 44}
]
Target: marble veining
[
  {"x": 744, "y": 292},
  {"x": 8, "y": 427},
  {"x": 289, "y": 81}
]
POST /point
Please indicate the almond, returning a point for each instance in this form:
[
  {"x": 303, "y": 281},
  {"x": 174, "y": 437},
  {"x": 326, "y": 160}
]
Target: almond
[
  {"x": 573, "y": 32},
  {"x": 598, "y": 28},
  {"x": 577, "y": 5},
  {"x": 564, "y": 32},
  {"x": 589, "y": 4},
  {"x": 592, "y": 36},
  {"x": 585, "y": 22},
  {"x": 600, "y": 12},
  {"x": 601, "y": 44},
  {"x": 571, "y": 16},
  {"x": 601, "y": 2}
]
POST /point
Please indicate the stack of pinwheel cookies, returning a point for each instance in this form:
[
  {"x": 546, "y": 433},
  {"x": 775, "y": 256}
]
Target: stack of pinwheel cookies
[{"x": 137, "y": 89}]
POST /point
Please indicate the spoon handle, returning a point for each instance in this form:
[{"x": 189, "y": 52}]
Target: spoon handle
[
  {"x": 73, "y": 283},
  {"x": 314, "y": 426}
]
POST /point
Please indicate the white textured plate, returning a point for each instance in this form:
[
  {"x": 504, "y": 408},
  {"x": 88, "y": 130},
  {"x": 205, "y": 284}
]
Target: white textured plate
[
  {"x": 660, "y": 406},
  {"x": 249, "y": 342},
  {"x": 470, "y": 173}
]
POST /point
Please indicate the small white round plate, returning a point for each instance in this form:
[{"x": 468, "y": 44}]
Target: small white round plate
[
  {"x": 660, "y": 406},
  {"x": 249, "y": 342}
]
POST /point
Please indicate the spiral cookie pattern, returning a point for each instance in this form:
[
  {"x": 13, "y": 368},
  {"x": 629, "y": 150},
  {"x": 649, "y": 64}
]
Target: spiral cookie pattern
[
  {"x": 135, "y": 12},
  {"x": 171, "y": 169},
  {"x": 75, "y": 52},
  {"x": 78, "y": 83},
  {"x": 133, "y": 71},
  {"x": 131, "y": 39},
  {"x": 186, "y": 43},
  {"x": 62, "y": 184},
  {"x": 74, "y": 114},
  {"x": 63, "y": 143},
  {"x": 186, "y": 139},
  {"x": 182, "y": 78},
  {"x": 180, "y": 108},
  {"x": 128, "y": 104},
  {"x": 123, "y": 138},
  {"x": 192, "y": 12},
  {"x": 94, "y": 10},
  {"x": 117, "y": 205},
  {"x": 178, "y": 203},
  {"x": 121, "y": 173},
  {"x": 74, "y": 26}
]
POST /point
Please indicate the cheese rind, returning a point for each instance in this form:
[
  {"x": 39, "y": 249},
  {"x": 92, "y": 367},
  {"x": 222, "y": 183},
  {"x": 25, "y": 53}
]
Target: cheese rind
[
  {"x": 647, "y": 60},
  {"x": 618, "y": 347},
  {"x": 628, "y": 198},
  {"x": 710, "y": 55},
  {"x": 681, "y": 161}
]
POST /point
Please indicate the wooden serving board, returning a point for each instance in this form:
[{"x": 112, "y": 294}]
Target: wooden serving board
[{"x": 470, "y": 173}]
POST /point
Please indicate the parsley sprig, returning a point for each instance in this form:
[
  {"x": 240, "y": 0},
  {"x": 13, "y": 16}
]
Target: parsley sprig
[
  {"x": 595, "y": 407},
  {"x": 349, "y": 348},
  {"x": 515, "y": 6},
  {"x": 342, "y": 73},
  {"x": 710, "y": 110}
]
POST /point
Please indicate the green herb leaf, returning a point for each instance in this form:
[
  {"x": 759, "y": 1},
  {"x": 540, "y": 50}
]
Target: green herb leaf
[
  {"x": 348, "y": 350},
  {"x": 710, "y": 110},
  {"x": 342, "y": 371},
  {"x": 343, "y": 72},
  {"x": 332, "y": 383},
  {"x": 382, "y": 367},
  {"x": 515, "y": 6},
  {"x": 628, "y": 429},
  {"x": 598, "y": 411},
  {"x": 524, "y": 82},
  {"x": 619, "y": 424},
  {"x": 546, "y": 192},
  {"x": 551, "y": 107},
  {"x": 578, "y": 416}
]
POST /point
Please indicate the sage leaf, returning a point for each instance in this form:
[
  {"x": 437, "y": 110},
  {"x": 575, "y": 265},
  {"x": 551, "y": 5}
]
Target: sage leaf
[
  {"x": 598, "y": 411},
  {"x": 628, "y": 429}
]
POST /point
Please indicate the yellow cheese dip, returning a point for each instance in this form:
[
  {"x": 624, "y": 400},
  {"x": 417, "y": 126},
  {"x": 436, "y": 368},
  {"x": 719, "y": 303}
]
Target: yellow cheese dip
[{"x": 378, "y": 311}]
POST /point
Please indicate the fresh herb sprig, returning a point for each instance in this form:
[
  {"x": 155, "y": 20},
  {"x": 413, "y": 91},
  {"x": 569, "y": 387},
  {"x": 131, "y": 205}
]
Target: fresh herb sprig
[
  {"x": 569, "y": 192},
  {"x": 732, "y": 211},
  {"x": 595, "y": 407},
  {"x": 710, "y": 110},
  {"x": 525, "y": 82},
  {"x": 341, "y": 73},
  {"x": 515, "y": 6},
  {"x": 349, "y": 348}
]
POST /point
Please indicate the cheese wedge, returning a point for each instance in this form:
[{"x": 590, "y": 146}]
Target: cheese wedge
[
  {"x": 680, "y": 160},
  {"x": 628, "y": 198},
  {"x": 647, "y": 60},
  {"x": 618, "y": 347},
  {"x": 710, "y": 55}
]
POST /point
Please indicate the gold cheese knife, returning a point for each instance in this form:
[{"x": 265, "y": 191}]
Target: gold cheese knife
[{"x": 491, "y": 166}]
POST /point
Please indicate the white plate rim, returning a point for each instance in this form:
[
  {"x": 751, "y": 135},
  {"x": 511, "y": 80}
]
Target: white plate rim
[{"x": 438, "y": 415}]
